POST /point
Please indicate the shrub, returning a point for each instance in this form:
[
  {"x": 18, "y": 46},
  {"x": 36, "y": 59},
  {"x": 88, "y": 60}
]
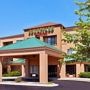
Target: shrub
[
  {"x": 6, "y": 75},
  {"x": 13, "y": 73},
  {"x": 84, "y": 75}
]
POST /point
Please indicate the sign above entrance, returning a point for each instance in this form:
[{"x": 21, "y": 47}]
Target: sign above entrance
[{"x": 42, "y": 31}]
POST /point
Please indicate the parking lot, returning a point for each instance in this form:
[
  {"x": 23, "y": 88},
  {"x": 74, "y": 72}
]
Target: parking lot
[{"x": 63, "y": 85}]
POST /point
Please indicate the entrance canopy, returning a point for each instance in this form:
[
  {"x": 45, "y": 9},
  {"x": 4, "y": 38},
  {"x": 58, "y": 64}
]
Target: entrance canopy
[{"x": 31, "y": 47}]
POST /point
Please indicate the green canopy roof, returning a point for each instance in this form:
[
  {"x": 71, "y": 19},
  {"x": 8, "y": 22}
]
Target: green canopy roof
[{"x": 28, "y": 43}]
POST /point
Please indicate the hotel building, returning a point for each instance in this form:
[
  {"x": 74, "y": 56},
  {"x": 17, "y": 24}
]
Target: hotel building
[{"x": 39, "y": 50}]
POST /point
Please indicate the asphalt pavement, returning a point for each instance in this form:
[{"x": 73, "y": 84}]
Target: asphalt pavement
[{"x": 63, "y": 85}]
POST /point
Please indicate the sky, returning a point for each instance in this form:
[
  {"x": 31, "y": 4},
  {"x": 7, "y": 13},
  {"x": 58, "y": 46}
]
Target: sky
[{"x": 16, "y": 15}]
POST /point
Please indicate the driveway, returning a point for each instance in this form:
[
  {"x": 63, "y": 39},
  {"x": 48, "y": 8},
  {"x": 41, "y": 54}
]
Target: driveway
[{"x": 63, "y": 85}]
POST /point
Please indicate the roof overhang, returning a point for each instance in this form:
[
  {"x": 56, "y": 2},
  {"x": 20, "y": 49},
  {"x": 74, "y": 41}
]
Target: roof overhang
[{"x": 30, "y": 51}]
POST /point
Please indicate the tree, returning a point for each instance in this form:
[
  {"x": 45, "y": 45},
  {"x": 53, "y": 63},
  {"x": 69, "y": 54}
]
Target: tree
[{"x": 81, "y": 39}]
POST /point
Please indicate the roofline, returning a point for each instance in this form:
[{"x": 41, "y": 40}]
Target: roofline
[
  {"x": 43, "y": 27},
  {"x": 13, "y": 36},
  {"x": 31, "y": 49},
  {"x": 71, "y": 28}
]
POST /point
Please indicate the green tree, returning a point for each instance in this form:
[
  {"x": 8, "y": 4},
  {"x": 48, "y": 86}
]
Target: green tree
[{"x": 81, "y": 38}]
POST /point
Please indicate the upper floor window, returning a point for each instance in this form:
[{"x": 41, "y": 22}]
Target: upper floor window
[
  {"x": 70, "y": 51},
  {"x": 52, "y": 40},
  {"x": 7, "y": 43},
  {"x": 37, "y": 37}
]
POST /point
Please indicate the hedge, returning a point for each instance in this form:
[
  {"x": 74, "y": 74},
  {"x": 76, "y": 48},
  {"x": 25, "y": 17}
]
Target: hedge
[
  {"x": 13, "y": 73},
  {"x": 84, "y": 75}
]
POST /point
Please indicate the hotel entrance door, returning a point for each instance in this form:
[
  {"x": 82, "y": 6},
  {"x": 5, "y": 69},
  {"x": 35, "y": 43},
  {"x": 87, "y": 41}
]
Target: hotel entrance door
[{"x": 52, "y": 71}]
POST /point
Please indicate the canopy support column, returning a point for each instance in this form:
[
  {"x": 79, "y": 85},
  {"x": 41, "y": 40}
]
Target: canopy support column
[
  {"x": 23, "y": 70},
  {"x": 63, "y": 70},
  {"x": 27, "y": 68},
  {"x": 43, "y": 67}
]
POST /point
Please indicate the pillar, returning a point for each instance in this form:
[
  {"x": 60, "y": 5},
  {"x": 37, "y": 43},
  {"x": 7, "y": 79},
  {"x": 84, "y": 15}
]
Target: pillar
[
  {"x": 27, "y": 68},
  {"x": 58, "y": 70},
  {"x": 63, "y": 70},
  {"x": 8, "y": 68},
  {"x": 0, "y": 69},
  {"x": 78, "y": 69},
  {"x": 43, "y": 68},
  {"x": 82, "y": 67},
  {"x": 23, "y": 70}
]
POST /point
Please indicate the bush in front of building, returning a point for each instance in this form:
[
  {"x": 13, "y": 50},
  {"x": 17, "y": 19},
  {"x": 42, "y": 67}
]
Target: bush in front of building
[
  {"x": 15, "y": 73},
  {"x": 84, "y": 75},
  {"x": 6, "y": 75},
  {"x": 12, "y": 73}
]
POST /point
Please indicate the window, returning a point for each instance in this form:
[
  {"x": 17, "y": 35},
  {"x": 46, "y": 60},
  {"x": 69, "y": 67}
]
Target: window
[
  {"x": 37, "y": 37},
  {"x": 70, "y": 51},
  {"x": 52, "y": 40},
  {"x": 34, "y": 69},
  {"x": 87, "y": 67},
  {"x": 7, "y": 43}
]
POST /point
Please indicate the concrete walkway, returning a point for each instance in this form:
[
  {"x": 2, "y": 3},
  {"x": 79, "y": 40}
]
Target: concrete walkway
[
  {"x": 28, "y": 84},
  {"x": 25, "y": 83},
  {"x": 76, "y": 79}
]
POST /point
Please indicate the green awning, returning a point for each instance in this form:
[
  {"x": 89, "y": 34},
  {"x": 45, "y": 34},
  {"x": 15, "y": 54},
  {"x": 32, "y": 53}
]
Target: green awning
[
  {"x": 20, "y": 60},
  {"x": 29, "y": 43},
  {"x": 69, "y": 59}
]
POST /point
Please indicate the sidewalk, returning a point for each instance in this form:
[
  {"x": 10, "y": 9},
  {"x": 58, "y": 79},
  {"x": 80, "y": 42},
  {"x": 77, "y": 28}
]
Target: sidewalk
[
  {"x": 28, "y": 84},
  {"x": 25, "y": 83},
  {"x": 76, "y": 79}
]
